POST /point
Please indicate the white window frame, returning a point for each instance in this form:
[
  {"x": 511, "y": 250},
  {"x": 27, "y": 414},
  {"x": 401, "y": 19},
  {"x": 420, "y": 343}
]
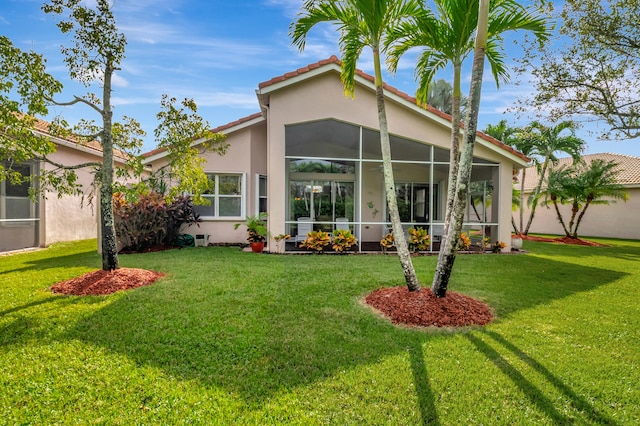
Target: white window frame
[
  {"x": 19, "y": 222},
  {"x": 258, "y": 196},
  {"x": 215, "y": 196}
]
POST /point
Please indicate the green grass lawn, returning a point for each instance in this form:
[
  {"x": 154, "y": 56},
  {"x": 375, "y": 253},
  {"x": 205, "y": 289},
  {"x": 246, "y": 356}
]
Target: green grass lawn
[{"x": 228, "y": 337}]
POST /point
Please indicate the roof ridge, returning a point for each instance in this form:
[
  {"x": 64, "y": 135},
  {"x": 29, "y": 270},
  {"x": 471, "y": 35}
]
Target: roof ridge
[{"x": 333, "y": 59}]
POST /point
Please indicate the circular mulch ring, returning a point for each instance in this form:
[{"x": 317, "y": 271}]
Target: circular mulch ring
[
  {"x": 106, "y": 282},
  {"x": 424, "y": 309}
]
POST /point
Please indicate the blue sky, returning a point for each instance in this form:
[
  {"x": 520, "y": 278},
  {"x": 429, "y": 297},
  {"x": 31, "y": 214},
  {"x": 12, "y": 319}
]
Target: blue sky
[{"x": 217, "y": 52}]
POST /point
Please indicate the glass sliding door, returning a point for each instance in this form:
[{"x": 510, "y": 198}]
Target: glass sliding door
[{"x": 323, "y": 201}]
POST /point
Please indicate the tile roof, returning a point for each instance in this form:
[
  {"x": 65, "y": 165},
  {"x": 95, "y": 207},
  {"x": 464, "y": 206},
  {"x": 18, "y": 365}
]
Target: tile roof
[
  {"x": 629, "y": 167},
  {"x": 218, "y": 129},
  {"x": 334, "y": 60},
  {"x": 43, "y": 126}
]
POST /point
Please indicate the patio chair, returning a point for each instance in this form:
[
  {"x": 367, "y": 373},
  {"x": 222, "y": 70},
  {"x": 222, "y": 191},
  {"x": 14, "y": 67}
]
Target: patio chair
[
  {"x": 305, "y": 225},
  {"x": 342, "y": 223}
]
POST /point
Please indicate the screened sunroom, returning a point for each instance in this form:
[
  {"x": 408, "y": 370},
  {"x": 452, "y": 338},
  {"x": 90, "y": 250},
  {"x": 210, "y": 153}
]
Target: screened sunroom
[
  {"x": 334, "y": 180},
  {"x": 19, "y": 219}
]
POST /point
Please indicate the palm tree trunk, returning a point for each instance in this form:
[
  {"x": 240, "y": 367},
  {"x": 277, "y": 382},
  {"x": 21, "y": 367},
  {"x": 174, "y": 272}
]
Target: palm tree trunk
[
  {"x": 447, "y": 255},
  {"x": 536, "y": 194},
  {"x": 574, "y": 211},
  {"x": 389, "y": 183},
  {"x": 524, "y": 173},
  {"x": 559, "y": 215},
  {"x": 513, "y": 224},
  {"x": 109, "y": 247},
  {"x": 584, "y": 209},
  {"x": 454, "y": 154}
]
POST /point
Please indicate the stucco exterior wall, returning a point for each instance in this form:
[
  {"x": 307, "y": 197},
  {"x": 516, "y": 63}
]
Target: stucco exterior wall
[
  {"x": 246, "y": 155},
  {"x": 619, "y": 220},
  {"x": 69, "y": 218},
  {"x": 323, "y": 97}
]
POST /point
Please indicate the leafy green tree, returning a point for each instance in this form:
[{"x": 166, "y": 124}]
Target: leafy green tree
[
  {"x": 592, "y": 70},
  {"x": 95, "y": 53},
  {"x": 581, "y": 185},
  {"x": 365, "y": 23},
  {"x": 542, "y": 143}
]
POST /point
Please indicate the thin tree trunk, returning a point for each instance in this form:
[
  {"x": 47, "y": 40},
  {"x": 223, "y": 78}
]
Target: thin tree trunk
[
  {"x": 513, "y": 223},
  {"x": 564, "y": 227},
  {"x": 584, "y": 209},
  {"x": 109, "y": 247},
  {"x": 524, "y": 173},
  {"x": 574, "y": 211},
  {"x": 447, "y": 255},
  {"x": 536, "y": 194},
  {"x": 389, "y": 184},
  {"x": 454, "y": 154}
]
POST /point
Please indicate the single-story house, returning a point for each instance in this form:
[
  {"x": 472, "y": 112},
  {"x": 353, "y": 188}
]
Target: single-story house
[
  {"x": 313, "y": 155},
  {"x": 616, "y": 220},
  {"x": 53, "y": 218}
]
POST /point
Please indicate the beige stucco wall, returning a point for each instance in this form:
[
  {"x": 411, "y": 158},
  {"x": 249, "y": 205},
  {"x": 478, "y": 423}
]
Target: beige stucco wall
[
  {"x": 619, "y": 220},
  {"x": 246, "y": 154},
  {"x": 323, "y": 97},
  {"x": 69, "y": 218}
]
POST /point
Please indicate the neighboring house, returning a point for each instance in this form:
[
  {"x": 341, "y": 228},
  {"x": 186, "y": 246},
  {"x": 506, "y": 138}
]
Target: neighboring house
[
  {"x": 617, "y": 220},
  {"x": 24, "y": 223},
  {"x": 313, "y": 155}
]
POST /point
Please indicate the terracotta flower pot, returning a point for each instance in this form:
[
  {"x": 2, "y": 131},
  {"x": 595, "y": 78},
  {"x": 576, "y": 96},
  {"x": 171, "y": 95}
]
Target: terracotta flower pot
[{"x": 257, "y": 247}]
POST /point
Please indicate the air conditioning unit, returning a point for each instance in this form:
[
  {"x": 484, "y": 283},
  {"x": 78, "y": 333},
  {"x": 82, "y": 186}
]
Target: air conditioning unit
[{"x": 202, "y": 240}]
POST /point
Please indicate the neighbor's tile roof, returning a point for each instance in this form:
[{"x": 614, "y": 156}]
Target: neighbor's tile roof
[
  {"x": 628, "y": 165},
  {"x": 43, "y": 127},
  {"x": 334, "y": 60},
  {"x": 218, "y": 129}
]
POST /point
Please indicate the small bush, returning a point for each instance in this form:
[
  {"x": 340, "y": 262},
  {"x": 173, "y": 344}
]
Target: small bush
[
  {"x": 418, "y": 239},
  {"x": 343, "y": 239},
  {"x": 316, "y": 240}
]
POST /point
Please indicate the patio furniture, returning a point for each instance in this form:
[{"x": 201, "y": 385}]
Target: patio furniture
[{"x": 305, "y": 225}]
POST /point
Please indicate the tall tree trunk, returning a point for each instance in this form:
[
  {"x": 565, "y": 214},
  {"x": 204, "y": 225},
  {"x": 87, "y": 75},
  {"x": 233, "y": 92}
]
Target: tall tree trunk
[
  {"x": 447, "y": 255},
  {"x": 584, "y": 209},
  {"x": 524, "y": 174},
  {"x": 559, "y": 215},
  {"x": 109, "y": 247},
  {"x": 513, "y": 224},
  {"x": 574, "y": 211},
  {"x": 454, "y": 153},
  {"x": 389, "y": 183},
  {"x": 536, "y": 194}
]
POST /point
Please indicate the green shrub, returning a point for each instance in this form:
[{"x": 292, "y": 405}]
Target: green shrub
[{"x": 149, "y": 221}]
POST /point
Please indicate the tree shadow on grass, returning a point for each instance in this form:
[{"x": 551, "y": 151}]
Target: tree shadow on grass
[
  {"x": 88, "y": 259},
  {"x": 257, "y": 339},
  {"x": 533, "y": 393}
]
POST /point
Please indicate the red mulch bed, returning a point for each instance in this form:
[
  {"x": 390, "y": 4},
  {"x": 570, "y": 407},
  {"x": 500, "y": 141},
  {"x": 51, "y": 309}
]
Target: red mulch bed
[
  {"x": 104, "y": 282},
  {"x": 563, "y": 240},
  {"x": 424, "y": 309}
]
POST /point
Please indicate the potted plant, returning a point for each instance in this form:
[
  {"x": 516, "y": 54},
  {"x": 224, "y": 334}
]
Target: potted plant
[{"x": 257, "y": 230}]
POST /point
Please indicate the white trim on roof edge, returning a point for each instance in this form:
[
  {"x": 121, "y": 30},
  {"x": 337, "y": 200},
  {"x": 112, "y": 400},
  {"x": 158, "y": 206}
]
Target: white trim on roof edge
[
  {"x": 231, "y": 129},
  {"x": 332, "y": 66}
]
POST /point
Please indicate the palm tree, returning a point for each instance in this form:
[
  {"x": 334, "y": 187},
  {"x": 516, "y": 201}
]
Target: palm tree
[
  {"x": 440, "y": 96},
  {"x": 542, "y": 143},
  {"x": 364, "y": 23},
  {"x": 511, "y": 136},
  {"x": 448, "y": 38},
  {"x": 582, "y": 185}
]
